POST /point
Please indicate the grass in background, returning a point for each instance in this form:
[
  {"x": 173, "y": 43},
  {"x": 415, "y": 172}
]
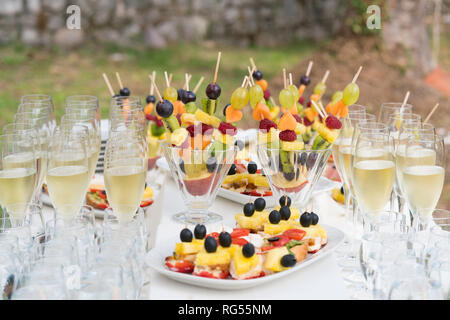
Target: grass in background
[{"x": 63, "y": 73}]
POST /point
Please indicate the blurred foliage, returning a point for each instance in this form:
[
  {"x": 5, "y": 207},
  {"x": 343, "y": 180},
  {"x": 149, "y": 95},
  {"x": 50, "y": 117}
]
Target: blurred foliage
[{"x": 358, "y": 16}]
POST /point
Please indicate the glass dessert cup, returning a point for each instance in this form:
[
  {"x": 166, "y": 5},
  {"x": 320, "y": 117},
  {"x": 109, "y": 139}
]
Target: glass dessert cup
[
  {"x": 293, "y": 173},
  {"x": 199, "y": 174}
]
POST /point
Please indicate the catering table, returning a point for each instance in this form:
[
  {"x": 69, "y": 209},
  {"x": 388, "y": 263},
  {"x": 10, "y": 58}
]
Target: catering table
[{"x": 320, "y": 280}]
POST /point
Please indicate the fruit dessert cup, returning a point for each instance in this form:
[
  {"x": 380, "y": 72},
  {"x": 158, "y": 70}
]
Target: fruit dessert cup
[
  {"x": 199, "y": 174},
  {"x": 293, "y": 173}
]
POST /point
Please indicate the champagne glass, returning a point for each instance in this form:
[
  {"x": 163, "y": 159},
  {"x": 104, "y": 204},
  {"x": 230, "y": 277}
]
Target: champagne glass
[
  {"x": 390, "y": 108},
  {"x": 74, "y": 121},
  {"x": 125, "y": 173},
  {"x": 373, "y": 174},
  {"x": 39, "y": 108},
  {"x": 423, "y": 176},
  {"x": 397, "y": 121},
  {"x": 84, "y": 103},
  {"x": 67, "y": 174},
  {"x": 18, "y": 173}
]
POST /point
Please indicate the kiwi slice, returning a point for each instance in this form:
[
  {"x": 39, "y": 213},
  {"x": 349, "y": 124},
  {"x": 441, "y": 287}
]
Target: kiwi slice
[
  {"x": 320, "y": 143},
  {"x": 172, "y": 123},
  {"x": 156, "y": 130},
  {"x": 286, "y": 164},
  {"x": 209, "y": 106},
  {"x": 190, "y": 107}
]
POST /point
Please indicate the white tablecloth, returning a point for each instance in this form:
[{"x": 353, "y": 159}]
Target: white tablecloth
[{"x": 320, "y": 280}]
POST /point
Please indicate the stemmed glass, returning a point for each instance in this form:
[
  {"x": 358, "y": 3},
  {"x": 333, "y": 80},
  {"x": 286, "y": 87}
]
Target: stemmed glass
[
  {"x": 125, "y": 173},
  {"x": 18, "y": 173},
  {"x": 373, "y": 174},
  {"x": 39, "y": 107},
  {"x": 67, "y": 175},
  {"x": 423, "y": 176},
  {"x": 390, "y": 108}
]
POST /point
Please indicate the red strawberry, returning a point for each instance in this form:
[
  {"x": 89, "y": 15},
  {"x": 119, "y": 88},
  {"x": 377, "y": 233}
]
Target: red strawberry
[
  {"x": 266, "y": 94},
  {"x": 301, "y": 100},
  {"x": 207, "y": 129},
  {"x": 288, "y": 135},
  {"x": 297, "y": 117},
  {"x": 308, "y": 104},
  {"x": 227, "y": 128},
  {"x": 333, "y": 123},
  {"x": 266, "y": 124},
  {"x": 306, "y": 122}
]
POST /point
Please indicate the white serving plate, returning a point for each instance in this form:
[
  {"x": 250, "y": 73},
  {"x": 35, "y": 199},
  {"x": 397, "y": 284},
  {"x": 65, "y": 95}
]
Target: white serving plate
[
  {"x": 155, "y": 260},
  {"x": 323, "y": 185}
]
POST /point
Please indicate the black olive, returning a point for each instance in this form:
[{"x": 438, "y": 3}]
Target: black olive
[
  {"x": 200, "y": 231},
  {"x": 210, "y": 244},
  {"x": 314, "y": 218},
  {"x": 285, "y": 213},
  {"x": 284, "y": 201},
  {"x": 252, "y": 167},
  {"x": 273, "y": 239},
  {"x": 248, "y": 250},
  {"x": 150, "y": 99},
  {"x": 249, "y": 209},
  {"x": 225, "y": 239},
  {"x": 232, "y": 170},
  {"x": 305, "y": 219},
  {"x": 124, "y": 92},
  {"x": 274, "y": 217},
  {"x": 288, "y": 260},
  {"x": 260, "y": 204},
  {"x": 186, "y": 235}
]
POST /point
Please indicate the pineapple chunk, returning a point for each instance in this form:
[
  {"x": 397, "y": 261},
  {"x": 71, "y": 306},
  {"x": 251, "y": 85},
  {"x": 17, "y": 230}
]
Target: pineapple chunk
[
  {"x": 243, "y": 264},
  {"x": 316, "y": 124},
  {"x": 215, "y": 122},
  {"x": 292, "y": 145},
  {"x": 272, "y": 229},
  {"x": 328, "y": 134},
  {"x": 178, "y": 136},
  {"x": 273, "y": 259},
  {"x": 259, "y": 181},
  {"x": 221, "y": 256},
  {"x": 183, "y": 248},
  {"x": 187, "y": 119},
  {"x": 236, "y": 177},
  {"x": 253, "y": 222},
  {"x": 300, "y": 129},
  {"x": 202, "y": 116},
  {"x": 264, "y": 215}
]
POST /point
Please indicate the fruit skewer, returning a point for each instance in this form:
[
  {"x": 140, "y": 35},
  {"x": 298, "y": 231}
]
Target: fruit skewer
[
  {"x": 239, "y": 99},
  {"x": 213, "y": 91},
  {"x": 124, "y": 91},
  {"x": 151, "y": 99},
  {"x": 305, "y": 80}
]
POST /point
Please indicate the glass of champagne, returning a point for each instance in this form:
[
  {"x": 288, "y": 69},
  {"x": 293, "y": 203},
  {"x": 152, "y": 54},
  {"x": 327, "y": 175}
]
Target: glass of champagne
[
  {"x": 423, "y": 176},
  {"x": 397, "y": 121},
  {"x": 373, "y": 174},
  {"x": 390, "y": 108},
  {"x": 83, "y": 103},
  {"x": 18, "y": 173},
  {"x": 125, "y": 173},
  {"x": 67, "y": 174},
  {"x": 39, "y": 108}
]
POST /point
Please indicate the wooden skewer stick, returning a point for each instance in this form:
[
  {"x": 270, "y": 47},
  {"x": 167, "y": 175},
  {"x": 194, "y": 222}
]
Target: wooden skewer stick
[
  {"x": 252, "y": 62},
  {"x": 167, "y": 78},
  {"x": 152, "y": 87},
  {"x": 357, "y": 74},
  {"x": 170, "y": 78},
  {"x": 308, "y": 71},
  {"x": 290, "y": 78},
  {"x": 198, "y": 84},
  {"x": 217, "y": 66},
  {"x": 325, "y": 76},
  {"x": 156, "y": 88},
  {"x": 322, "y": 108},
  {"x": 431, "y": 113},
  {"x": 405, "y": 100},
  {"x": 111, "y": 91},
  {"x": 250, "y": 72},
  {"x": 119, "y": 80},
  {"x": 184, "y": 86},
  {"x": 284, "y": 77},
  {"x": 186, "y": 76},
  {"x": 244, "y": 82},
  {"x": 318, "y": 109}
]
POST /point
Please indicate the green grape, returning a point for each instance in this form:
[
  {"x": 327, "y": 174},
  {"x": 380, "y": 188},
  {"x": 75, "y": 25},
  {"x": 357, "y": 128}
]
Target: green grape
[
  {"x": 286, "y": 98},
  {"x": 256, "y": 95},
  {"x": 292, "y": 88},
  {"x": 239, "y": 98},
  {"x": 320, "y": 88},
  {"x": 351, "y": 94},
  {"x": 170, "y": 93},
  {"x": 337, "y": 96}
]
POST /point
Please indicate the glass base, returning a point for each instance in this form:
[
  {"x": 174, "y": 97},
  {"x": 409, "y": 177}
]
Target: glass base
[{"x": 195, "y": 218}]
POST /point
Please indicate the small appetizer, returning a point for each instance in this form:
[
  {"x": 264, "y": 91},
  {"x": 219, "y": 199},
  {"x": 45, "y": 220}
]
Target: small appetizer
[
  {"x": 246, "y": 263},
  {"x": 212, "y": 261}
]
